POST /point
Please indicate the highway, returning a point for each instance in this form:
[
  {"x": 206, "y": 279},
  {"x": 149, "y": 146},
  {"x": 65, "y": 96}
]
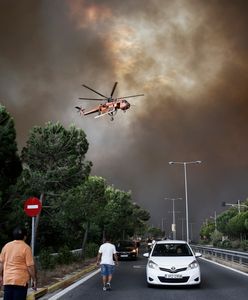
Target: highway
[{"x": 129, "y": 282}]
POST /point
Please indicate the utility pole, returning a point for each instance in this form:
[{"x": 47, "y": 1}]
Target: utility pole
[
  {"x": 182, "y": 219},
  {"x": 185, "y": 163},
  {"x": 173, "y": 226},
  {"x": 215, "y": 220}
]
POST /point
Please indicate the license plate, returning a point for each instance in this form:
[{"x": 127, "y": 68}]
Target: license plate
[
  {"x": 124, "y": 255},
  {"x": 174, "y": 276}
]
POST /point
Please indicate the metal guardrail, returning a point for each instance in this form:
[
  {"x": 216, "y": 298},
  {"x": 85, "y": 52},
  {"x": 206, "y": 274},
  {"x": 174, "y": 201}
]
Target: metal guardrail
[{"x": 236, "y": 257}]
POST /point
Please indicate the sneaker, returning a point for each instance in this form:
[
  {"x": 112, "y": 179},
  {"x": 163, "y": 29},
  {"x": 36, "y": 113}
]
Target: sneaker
[
  {"x": 108, "y": 286},
  {"x": 104, "y": 288}
]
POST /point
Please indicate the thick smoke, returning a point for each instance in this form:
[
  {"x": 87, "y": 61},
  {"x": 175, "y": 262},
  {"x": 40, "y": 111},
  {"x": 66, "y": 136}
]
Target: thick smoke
[{"x": 188, "y": 57}]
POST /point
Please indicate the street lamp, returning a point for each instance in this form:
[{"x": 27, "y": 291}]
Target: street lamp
[
  {"x": 215, "y": 220},
  {"x": 163, "y": 220},
  {"x": 174, "y": 217},
  {"x": 191, "y": 230},
  {"x": 182, "y": 219},
  {"x": 185, "y": 163},
  {"x": 238, "y": 205}
]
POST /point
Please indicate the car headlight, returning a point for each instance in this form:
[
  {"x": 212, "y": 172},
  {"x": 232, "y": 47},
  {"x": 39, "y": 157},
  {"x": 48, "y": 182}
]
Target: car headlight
[
  {"x": 133, "y": 251},
  {"x": 193, "y": 265},
  {"x": 152, "y": 265}
]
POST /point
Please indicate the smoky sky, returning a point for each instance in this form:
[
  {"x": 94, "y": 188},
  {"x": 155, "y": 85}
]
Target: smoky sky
[{"x": 189, "y": 58}]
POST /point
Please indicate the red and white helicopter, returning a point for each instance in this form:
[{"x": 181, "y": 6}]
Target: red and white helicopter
[{"x": 110, "y": 105}]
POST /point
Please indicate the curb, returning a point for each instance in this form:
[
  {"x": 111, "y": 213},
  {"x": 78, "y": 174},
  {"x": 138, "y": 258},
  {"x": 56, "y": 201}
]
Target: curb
[{"x": 61, "y": 284}]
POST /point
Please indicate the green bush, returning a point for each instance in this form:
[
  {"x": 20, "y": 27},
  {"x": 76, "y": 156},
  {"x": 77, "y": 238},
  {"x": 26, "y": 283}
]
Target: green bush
[
  {"x": 204, "y": 242},
  {"x": 217, "y": 244},
  {"x": 244, "y": 245},
  {"x": 46, "y": 260},
  {"x": 64, "y": 256},
  {"x": 216, "y": 237},
  {"x": 91, "y": 250},
  {"x": 226, "y": 244}
]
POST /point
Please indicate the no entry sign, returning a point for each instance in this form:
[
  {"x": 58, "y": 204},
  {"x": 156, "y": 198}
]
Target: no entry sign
[{"x": 32, "y": 206}]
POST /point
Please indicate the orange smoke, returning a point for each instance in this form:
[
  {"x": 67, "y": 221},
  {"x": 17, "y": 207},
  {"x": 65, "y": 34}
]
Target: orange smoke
[{"x": 88, "y": 14}]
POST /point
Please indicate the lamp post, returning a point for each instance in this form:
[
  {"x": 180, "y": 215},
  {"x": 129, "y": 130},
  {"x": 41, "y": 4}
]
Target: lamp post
[
  {"x": 163, "y": 220},
  {"x": 174, "y": 216},
  {"x": 182, "y": 219},
  {"x": 191, "y": 231},
  {"x": 238, "y": 205},
  {"x": 185, "y": 163},
  {"x": 215, "y": 220}
]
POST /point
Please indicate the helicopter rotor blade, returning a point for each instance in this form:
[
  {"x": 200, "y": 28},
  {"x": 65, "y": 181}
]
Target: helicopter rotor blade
[
  {"x": 130, "y": 96},
  {"x": 94, "y": 99},
  {"x": 113, "y": 89},
  {"x": 87, "y": 87}
]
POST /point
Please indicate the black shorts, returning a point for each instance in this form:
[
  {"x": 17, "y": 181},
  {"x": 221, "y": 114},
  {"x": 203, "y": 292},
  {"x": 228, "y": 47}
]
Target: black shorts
[{"x": 15, "y": 292}]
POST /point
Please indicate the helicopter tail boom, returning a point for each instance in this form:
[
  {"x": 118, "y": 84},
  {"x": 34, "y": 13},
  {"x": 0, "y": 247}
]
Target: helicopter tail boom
[{"x": 80, "y": 110}]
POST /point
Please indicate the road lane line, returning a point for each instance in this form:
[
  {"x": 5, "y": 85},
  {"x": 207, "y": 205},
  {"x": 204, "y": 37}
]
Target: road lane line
[
  {"x": 139, "y": 266},
  {"x": 224, "y": 266},
  {"x": 74, "y": 285}
]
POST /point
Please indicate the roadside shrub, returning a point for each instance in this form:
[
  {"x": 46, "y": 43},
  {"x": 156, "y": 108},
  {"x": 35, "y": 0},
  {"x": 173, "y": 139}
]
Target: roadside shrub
[
  {"x": 244, "y": 245},
  {"x": 77, "y": 256},
  {"x": 217, "y": 244},
  {"x": 235, "y": 244},
  {"x": 64, "y": 256},
  {"x": 46, "y": 260},
  {"x": 203, "y": 242},
  {"x": 216, "y": 237},
  {"x": 226, "y": 244},
  {"x": 91, "y": 250}
]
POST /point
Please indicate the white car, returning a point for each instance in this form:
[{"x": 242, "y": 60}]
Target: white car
[{"x": 172, "y": 262}]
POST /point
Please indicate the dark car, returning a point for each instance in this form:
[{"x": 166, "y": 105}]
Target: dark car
[{"x": 126, "y": 250}]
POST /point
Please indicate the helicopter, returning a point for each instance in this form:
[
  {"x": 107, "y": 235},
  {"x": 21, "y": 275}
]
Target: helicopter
[{"x": 110, "y": 105}]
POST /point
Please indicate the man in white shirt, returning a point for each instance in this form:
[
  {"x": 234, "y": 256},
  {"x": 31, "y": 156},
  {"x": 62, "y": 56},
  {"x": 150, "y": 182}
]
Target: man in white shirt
[{"x": 106, "y": 253}]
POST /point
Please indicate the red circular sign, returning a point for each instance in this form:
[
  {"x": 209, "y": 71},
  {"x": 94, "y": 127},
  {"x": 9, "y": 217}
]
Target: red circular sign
[{"x": 32, "y": 206}]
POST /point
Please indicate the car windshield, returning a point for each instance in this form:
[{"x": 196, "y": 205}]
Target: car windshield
[
  {"x": 125, "y": 244},
  {"x": 171, "y": 250}
]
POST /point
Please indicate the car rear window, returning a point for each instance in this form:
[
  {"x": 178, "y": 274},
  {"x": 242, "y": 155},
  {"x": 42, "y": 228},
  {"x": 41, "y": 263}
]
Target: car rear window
[
  {"x": 125, "y": 244},
  {"x": 171, "y": 250}
]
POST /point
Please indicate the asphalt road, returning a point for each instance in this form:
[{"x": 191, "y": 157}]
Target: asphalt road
[{"x": 129, "y": 283}]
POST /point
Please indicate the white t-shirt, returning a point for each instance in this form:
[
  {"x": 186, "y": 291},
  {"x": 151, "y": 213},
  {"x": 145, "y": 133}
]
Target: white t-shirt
[{"x": 107, "y": 250}]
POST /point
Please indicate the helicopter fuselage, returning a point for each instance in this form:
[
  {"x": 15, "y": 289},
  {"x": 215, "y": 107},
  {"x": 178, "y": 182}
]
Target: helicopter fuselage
[{"x": 114, "y": 105}]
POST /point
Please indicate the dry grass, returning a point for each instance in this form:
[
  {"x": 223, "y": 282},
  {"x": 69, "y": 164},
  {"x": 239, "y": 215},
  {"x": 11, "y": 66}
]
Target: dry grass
[{"x": 48, "y": 277}]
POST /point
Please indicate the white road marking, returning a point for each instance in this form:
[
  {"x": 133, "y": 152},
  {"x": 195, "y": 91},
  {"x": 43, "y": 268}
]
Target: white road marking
[
  {"x": 224, "y": 266},
  {"x": 74, "y": 285},
  {"x": 139, "y": 266}
]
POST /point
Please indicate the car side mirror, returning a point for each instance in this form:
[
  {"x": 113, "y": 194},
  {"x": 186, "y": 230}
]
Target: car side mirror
[
  {"x": 198, "y": 254},
  {"x": 146, "y": 255}
]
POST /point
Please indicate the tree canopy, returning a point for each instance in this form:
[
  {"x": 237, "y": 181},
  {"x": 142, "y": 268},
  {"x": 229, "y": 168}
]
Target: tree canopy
[
  {"x": 76, "y": 206},
  {"x": 231, "y": 224},
  {"x": 10, "y": 165},
  {"x": 54, "y": 158},
  {"x": 10, "y": 168}
]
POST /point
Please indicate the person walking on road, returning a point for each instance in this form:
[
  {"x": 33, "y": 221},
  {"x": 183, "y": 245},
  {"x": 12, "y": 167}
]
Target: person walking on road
[
  {"x": 106, "y": 253},
  {"x": 17, "y": 267}
]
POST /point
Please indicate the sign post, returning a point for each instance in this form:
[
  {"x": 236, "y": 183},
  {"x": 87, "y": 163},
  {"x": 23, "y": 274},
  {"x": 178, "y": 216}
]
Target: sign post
[{"x": 32, "y": 208}]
